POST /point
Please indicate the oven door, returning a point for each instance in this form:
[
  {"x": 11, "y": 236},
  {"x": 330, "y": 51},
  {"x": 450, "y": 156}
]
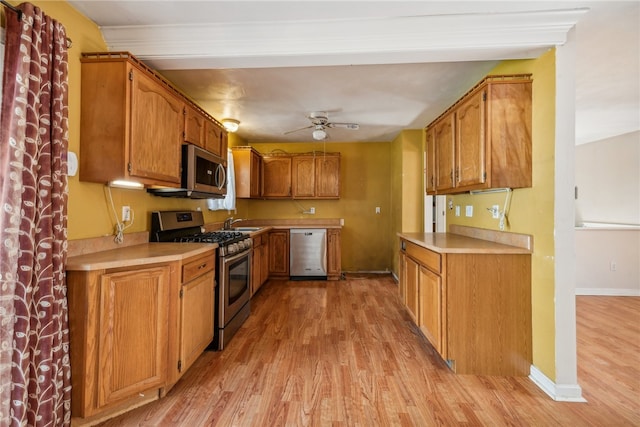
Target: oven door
[{"x": 233, "y": 285}]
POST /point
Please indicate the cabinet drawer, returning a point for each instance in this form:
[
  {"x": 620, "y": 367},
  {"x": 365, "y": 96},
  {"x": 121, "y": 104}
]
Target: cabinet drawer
[
  {"x": 430, "y": 259},
  {"x": 196, "y": 267}
]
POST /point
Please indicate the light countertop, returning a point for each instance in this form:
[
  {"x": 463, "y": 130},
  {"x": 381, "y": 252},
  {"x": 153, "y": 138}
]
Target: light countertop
[
  {"x": 458, "y": 243},
  {"x": 145, "y": 253}
]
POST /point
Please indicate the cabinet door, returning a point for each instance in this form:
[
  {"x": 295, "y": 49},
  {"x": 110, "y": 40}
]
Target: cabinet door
[
  {"x": 264, "y": 264},
  {"x": 471, "y": 144},
  {"x": 193, "y": 126},
  {"x": 430, "y": 308},
  {"x": 327, "y": 177},
  {"x": 279, "y": 253},
  {"x": 303, "y": 176},
  {"x": 256, "y": 265},
  {"x": 334, "y": 265},
  {"x": 411, "y": 289},
  {"x": 402, "y": 276},
  {"x": 196, "y": 317},
  {"x": 276, "y": 176},
  {"x": 215, "y": 139},
  {"x": 430, "y": 166},
  {"x": 132, "y": 346},
  {"x": 444, "y": 146},
  {"x": 156, "y": 130},
  {"x": 256, "y": 169}
]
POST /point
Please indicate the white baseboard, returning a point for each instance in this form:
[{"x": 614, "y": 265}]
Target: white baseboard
[
  {"x": 558, "y": 392},
  {"x": 611, "y": 292}
]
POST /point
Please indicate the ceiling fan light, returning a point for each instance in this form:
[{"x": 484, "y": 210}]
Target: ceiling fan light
[
  {"x": 231, "y": 125},
  {"x": 319, "y": 134}
]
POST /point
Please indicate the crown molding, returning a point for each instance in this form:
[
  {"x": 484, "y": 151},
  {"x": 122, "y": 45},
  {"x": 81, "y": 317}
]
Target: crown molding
[{"x": 429, "y": 38}]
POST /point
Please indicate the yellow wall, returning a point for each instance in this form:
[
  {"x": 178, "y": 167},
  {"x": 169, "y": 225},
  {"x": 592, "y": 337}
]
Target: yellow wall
[
  {"x": 365, "y": 184},
  {"x": 407, "y": 197},
  {"x": 532, "y": 209},
  {"x": 89, "y": 212}
]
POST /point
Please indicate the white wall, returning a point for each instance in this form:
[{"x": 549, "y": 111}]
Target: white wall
[
  {"x": 608, "y": 180},
  {"x": 607, "y": 261}
]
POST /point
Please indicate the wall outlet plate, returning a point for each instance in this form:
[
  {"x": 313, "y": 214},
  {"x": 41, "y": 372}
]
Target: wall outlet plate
[
  {"x": 126, "y": 213},
  {"x": 468, "y": 210},
  {"x": 457, "y": 210},
  {"x": 495, "y": 211}
]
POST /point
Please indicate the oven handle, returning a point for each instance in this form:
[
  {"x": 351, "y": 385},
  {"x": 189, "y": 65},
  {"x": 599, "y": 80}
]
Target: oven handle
[{"x": 235, "y": 257}]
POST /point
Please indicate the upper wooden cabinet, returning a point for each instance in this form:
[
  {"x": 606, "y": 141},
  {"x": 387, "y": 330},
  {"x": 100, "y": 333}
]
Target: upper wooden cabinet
[
  {"x": 484, "y": 140},
  {"x": 194, "y": 126},
  {"x": 276, "y": 176},
  {"x": 301, "y": 176},
  {"x": 247, "y": 165},
  {"x": 215, "y": 139},
  {"x": 131, "y": 125}
]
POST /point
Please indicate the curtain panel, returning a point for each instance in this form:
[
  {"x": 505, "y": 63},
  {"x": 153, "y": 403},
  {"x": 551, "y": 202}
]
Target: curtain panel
[{"x": 35, "y": 385}]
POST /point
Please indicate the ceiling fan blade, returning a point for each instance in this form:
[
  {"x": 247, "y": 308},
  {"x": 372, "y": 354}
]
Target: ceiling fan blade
[
  {"x": 350, "y": 126},
  {"x": 296, "y": 130}
]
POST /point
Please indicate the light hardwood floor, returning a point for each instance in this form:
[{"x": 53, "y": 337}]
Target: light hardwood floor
[{"x": 345, "y": 354}]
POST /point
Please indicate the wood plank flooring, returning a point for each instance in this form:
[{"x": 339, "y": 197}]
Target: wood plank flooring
[{"x": 346, "y": 354}]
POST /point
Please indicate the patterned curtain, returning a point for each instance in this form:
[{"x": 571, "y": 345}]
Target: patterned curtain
[{"x": 35, "y": 386}]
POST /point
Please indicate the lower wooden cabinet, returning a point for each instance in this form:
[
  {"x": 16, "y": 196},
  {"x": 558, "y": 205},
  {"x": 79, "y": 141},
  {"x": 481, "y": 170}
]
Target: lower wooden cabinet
[
  {"x": 259, "y": 262},
  {"x": 197, "y": 310},
  {"x": 118, "y": 333},
  {"x": 334, "y": 254},
  {"x": 473, "y": 307},
  {"x": 279, "y": 254},
  {"x": 430, "y": 314}
]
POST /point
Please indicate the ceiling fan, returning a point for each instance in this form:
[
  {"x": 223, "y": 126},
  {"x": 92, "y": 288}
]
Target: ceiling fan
[{"x": 320, "y": 122}]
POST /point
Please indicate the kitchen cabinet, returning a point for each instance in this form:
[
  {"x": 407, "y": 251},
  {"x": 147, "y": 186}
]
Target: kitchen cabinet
[
  {"x": 130, "y": 117},
  {"x": 430, "y": 166},
  {"x": 197, "y": 311},
  {"x": 247, "y": 164},
  {"x": 259, "y": 261},
  {"x": 118, "y": 334},
  {"x": 299, "y": 176},
  {"x": 473, "y": 305},
  {"x": 484, "y": 140},
  {"x": 215, "y": 139},
  {"x": 327, "y": 185},
  {"x": 279, "y": 254},
  {"x": 334, "y": 254},
  {"x": 194, "y": 123},
  {"x": 276, "y": 176},
  {"x": 316, "y": 176},
  {"x": 303, "y": 171}
]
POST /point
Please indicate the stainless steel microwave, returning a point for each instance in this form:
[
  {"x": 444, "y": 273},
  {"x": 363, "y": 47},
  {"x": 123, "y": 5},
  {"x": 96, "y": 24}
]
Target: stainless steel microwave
[{"x": 204, "y": 176}]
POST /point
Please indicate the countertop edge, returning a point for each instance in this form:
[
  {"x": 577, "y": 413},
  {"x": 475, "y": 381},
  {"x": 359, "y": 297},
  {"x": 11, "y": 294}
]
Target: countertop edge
[
  {"x": 136, "y": 255},
  {"x": 457, "y": 244}
]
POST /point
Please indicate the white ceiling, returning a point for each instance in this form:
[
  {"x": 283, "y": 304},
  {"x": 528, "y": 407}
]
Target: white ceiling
[{"x": 387, "y": 65}]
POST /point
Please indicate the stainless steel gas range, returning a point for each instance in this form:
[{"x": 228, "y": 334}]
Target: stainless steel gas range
[{"x": 233, "y": 266}]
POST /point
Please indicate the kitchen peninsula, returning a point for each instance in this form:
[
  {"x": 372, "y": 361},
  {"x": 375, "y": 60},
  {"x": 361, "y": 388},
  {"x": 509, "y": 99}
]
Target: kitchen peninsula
[{"x": 469, "y": 292}]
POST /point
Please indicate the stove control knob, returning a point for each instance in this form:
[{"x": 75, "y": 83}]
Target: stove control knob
[{"x": 240, "y": 244}]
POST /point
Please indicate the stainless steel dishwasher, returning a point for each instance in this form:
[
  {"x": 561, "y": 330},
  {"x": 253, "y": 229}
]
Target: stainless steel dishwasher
[{"x": 308, "y": 254}]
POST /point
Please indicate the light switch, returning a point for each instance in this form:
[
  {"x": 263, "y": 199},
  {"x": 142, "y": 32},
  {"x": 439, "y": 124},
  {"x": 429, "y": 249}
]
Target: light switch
[{"x": 458, "y": 210}]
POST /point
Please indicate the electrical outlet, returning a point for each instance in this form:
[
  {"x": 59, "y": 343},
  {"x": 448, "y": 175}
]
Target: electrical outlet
[
  {"x": 495, "y": 211},
  {"x": 126, "y": 213},
  {"x": 457, "y": 210},
  {"x": 468, "y": 211},
  {"x": 377, "y": 209},
  {"x": 613, "y": 266},
  {"x": 312, "y": 210}
]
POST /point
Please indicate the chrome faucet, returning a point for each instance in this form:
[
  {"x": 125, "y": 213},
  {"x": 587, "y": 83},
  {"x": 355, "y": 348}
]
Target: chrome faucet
[{"x": 229, "y": 222}]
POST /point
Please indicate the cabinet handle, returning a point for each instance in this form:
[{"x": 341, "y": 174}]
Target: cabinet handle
[
  {"x": 200, "y": 267},
  {"x": 457, "y": 174},
  {"x": 451, "y": 174}
]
